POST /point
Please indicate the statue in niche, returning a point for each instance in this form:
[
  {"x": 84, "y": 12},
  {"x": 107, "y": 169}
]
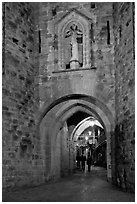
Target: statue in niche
[{"x": 74, "y": 32}]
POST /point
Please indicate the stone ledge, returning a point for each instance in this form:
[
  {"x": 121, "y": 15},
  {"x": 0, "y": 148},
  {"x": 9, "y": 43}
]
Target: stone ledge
[{"x": 74, "y": 70}]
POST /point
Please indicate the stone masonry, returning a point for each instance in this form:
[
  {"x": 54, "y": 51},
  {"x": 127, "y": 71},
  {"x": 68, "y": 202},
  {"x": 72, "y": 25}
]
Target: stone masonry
[
  {"x": 125, "y": 93},
  {"x": 33, "y": 80},
  {"x": 100, "y": 81},
  {"x": 20, "y": 145}
]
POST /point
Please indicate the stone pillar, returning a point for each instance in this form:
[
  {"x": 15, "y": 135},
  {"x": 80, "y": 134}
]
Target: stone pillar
[{"x": 64, "y": 151}]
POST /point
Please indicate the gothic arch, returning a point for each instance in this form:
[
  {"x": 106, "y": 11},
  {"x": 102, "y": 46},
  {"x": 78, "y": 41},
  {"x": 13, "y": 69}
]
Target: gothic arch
[
  {"x": 82, "y": 22},
  {"x": 58, "y": 113},
  {"x": 47, "y": 107}
]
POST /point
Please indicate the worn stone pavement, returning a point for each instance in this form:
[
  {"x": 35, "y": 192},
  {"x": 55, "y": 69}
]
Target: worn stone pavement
[{"x": 79, "y": 187}]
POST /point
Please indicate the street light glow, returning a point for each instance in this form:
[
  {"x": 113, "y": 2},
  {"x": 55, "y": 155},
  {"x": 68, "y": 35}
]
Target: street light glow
[{"x": 86, "y": 138}]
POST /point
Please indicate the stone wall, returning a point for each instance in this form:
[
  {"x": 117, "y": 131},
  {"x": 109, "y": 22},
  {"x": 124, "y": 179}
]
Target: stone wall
[
  {"x": 125, "y": 94},
  {"x": 31, "y": 83},
  {"x": 21, "y": 156},
  {"x": 103, "y": 52},
  {"x": 99, "y": 81},
  {"x": 65, "y": 166}
]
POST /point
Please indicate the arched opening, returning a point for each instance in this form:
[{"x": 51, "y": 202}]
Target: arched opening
[
  {"x": 65, "y": 45},
  {"x": 89, "y": 138},
  {"x": 56, "y": 127}
]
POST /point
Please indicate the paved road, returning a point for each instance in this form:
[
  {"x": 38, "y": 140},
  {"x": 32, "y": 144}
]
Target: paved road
[{"x": 80, "y": 187}]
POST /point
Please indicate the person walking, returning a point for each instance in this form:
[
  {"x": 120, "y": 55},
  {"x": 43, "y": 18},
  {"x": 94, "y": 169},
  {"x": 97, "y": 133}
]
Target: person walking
[
  {"x": 83, "y": 160},
  {"x": 78, "y": 161},
  {"x": 89, "y": 162}
]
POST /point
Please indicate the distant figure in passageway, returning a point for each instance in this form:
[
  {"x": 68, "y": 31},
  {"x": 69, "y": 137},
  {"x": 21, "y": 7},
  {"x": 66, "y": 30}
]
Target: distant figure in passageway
[
  {"x": 83, "y": 160},
  {"x": 89, "y": 162},
  {"x": 78, "y": 161}
]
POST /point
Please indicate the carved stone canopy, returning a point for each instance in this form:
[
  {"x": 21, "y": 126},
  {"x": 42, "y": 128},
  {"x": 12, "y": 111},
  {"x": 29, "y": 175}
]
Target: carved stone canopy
[{"x": 73, "y": 41}]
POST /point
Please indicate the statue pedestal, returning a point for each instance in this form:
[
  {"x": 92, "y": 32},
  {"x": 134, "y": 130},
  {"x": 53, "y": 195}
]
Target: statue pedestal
[{"x": 74, "y": 64}]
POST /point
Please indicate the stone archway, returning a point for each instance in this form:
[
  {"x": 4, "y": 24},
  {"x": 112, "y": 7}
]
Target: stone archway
[{"x": 53, "y": 121}]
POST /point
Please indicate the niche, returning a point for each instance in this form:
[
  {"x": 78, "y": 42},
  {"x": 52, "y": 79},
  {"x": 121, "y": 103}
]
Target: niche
[{"x": 74, "y": 42}]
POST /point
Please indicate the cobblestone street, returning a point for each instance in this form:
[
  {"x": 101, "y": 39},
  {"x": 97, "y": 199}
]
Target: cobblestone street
[{"x": 80, "y": 187}]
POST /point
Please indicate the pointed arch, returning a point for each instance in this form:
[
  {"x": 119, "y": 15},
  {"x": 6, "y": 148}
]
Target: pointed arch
[
  {"x": 84, "y": 23},
  {"x": 58, "y": 112}
]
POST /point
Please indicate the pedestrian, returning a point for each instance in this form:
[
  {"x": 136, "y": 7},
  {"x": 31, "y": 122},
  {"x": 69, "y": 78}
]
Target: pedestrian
[
  {"x": 78, "y": 161},
  {"x": 89, "y": 162},
  {"x": 83, "y": 160}
]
